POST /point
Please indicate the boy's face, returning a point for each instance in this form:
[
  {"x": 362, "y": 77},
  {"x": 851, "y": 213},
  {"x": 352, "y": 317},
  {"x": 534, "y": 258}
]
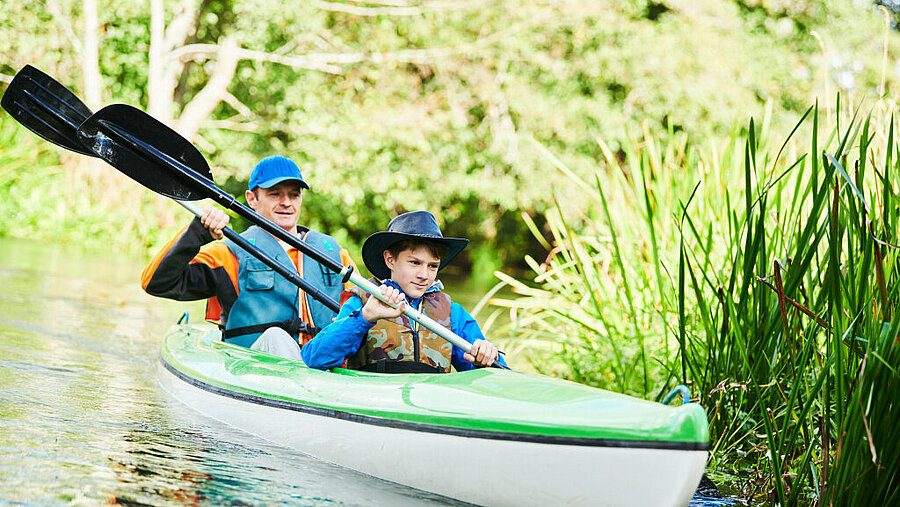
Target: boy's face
[{"x": 414, "y": 269}]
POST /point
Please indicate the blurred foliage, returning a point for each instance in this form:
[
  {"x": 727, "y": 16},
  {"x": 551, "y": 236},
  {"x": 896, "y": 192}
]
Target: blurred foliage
[
  {"x": 34, "y": 205},
  {"x": 434, "y": 105}
]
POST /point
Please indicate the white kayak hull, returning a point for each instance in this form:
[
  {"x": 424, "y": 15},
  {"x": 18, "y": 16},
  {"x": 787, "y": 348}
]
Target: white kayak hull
[{"x": 477, "y": 470}]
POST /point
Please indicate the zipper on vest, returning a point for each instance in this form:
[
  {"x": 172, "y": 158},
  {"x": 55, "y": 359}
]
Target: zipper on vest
[{"x": 415, "y": 333}]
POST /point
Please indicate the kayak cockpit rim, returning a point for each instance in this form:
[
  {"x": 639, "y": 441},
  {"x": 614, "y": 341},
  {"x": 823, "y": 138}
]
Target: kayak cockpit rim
[{"x": 431, "y": 428}]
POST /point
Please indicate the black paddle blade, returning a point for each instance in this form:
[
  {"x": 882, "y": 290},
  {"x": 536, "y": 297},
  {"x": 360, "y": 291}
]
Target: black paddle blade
[
  {"x": 148, "y": 152},
  {"x": 47, "y": 108}
]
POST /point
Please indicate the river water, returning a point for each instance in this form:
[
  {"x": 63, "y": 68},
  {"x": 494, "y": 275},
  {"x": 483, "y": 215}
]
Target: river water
[{"x": 83, "y": 420}]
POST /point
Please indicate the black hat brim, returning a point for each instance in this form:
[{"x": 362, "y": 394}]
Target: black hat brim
[{"x": 375, "y": 245}]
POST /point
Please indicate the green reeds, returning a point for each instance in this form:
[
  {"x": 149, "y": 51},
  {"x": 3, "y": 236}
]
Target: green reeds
[{"x": 767, "y": 280}]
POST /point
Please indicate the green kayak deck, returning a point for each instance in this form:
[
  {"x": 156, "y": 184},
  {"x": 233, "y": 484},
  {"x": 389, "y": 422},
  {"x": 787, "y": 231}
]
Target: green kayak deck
[{"x": 488, "y": 403}]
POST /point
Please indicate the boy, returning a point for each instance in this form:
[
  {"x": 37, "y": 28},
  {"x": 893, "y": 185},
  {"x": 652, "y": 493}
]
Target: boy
[{"x": 374, "y": 336}]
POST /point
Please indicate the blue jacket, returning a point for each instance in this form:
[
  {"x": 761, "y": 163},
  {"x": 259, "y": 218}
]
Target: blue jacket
[{"x": 344, "y": 337}]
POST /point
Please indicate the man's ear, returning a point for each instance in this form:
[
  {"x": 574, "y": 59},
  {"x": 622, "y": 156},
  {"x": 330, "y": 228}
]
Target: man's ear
[
  {"x": 251, "y": 198},
  {"x": 388, "y": 259}
]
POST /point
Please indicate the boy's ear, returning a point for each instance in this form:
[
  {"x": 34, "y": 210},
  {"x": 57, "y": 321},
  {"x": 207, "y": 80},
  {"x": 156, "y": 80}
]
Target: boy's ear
[{"x": 388, "y": 259}]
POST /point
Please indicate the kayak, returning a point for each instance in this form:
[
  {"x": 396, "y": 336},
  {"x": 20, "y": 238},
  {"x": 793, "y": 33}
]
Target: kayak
[{"x": 486, "y": 436}]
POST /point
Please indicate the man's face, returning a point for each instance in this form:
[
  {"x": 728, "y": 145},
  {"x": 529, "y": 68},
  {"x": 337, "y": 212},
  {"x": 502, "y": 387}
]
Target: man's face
[
  {"x": 414, "y": 269},
  {"x": 279, "y": 203}
]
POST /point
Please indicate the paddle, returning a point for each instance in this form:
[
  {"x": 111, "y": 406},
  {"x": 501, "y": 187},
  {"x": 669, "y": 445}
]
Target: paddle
[
  {"x": 53, "y": 112},
  {"x": 47, "y": 108},
  {"x": 159, "y": 158}
]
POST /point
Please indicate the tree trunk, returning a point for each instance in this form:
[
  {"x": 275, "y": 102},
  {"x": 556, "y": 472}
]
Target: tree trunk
[
  {"x": 159, "y": 103},
  {"x": 215, "y": 91},
  {"x": 90, "y": 56},
  {"x": 88, "y": 169},
  {"x": 163, "y": 69}
]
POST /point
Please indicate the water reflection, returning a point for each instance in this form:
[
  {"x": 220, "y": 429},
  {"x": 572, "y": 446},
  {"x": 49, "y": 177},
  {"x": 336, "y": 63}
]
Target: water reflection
[{"x": 213, "y": 464}]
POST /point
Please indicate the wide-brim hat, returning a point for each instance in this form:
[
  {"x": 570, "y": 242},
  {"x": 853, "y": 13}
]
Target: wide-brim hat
[
  {"x": 415, "y": 224},
  {"x": 272, "y": 170}
]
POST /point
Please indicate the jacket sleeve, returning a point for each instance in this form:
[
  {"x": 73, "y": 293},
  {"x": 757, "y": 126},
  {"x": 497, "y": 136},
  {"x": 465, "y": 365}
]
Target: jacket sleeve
[
  {"x": 464, "y": 325},
  {"x": 339, "y": 340},
  {"x": 182, "y": 271}
]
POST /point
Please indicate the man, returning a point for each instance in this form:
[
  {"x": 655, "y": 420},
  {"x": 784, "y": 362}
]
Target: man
[
  {"x": 254, "y": 305},
  {"x": 375, "y": 336}
]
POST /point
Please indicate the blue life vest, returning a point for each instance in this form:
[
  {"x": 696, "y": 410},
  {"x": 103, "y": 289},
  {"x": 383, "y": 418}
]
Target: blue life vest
[{"x": 267, "y": 299}]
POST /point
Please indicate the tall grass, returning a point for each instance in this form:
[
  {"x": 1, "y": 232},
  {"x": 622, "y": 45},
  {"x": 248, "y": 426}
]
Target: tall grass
[{"x": 762, "y": 273}]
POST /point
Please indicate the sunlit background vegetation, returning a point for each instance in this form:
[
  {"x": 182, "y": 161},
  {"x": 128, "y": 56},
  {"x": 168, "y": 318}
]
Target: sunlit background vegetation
[{"x": 696, "y": 192}]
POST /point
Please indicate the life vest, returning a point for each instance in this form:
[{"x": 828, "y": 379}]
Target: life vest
[
  {"x": 402, "y": 346},
  {"x": 266, "y": 299}
]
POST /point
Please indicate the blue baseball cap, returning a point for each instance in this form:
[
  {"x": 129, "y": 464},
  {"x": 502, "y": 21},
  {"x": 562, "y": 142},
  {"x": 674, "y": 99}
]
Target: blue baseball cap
[{"x": 272, "y": 170}]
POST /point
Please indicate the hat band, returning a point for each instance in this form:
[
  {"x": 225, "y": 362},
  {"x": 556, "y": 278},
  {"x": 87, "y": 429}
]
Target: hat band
[{"x": 419, "y": 234}]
